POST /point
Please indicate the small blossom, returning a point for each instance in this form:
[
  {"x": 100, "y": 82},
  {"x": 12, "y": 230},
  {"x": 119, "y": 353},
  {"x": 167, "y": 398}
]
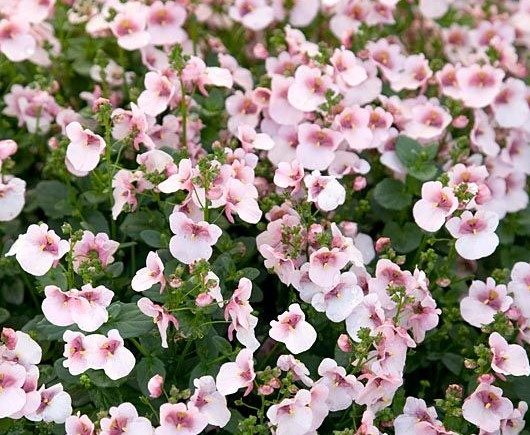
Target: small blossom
[{"x": 292, "y": 329}]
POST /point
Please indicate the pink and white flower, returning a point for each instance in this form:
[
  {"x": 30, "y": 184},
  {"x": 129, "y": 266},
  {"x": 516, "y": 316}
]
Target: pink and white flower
[
  {"x": 12, "y": 197},
  {"x": 180, "y": 419},
  {"x": 38, "y": 250},
  {"x": 479, "y": 85},
  {"x": 475, "y": 234},
  {"x": 325, "y": 266},
  {"x": 124, "y": 418},
  {"x": 508, "y": 359},
  {"x": 192, "y": 240},
  {"x": 84, "y": 149},
  {"x": 324, "y": 190},
  {"x": 484, "y": 301},
  {"x": 343, "y": 388},
  {"x": 210, "y": 402},
  {"x": 292, "y": 329},
  {"x": 235, "y": 375},
  {"x": 308, "y": 91},
  {"x": 160, "y": 316},
  {"x": 151, "y": 274},
  {"x": 436, "y": 204}
]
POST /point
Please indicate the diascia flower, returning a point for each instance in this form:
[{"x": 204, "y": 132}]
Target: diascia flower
[
  {"x": 292, "y": 329},
  {"x": 124, "y": 418},
  {"x": 475, "y": 234},
  {"x": 179, "y": 418},
  {"x": 12, "y": 197},
  {"x": 38, "y": 250},
  {"x": 436, "y": 204},
  {"x": 160, "y": 316},
  {"x": 484, "y": 301},
  {"x": 84, "y": 149},
  {"x": 192, "y": 240},
  {"x": 235, "y": 375},
  {"x": 151, "y": 274},
  {"x": 486, "y": 407},
  {"x": 210, "y": 402},
  {"x": 508, "y": 359}
]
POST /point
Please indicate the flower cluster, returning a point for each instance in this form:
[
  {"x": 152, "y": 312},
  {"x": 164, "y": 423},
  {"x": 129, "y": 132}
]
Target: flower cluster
[{"x": 264, "y": 216}]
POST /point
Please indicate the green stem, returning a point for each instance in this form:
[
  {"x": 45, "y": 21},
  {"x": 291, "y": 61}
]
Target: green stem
[{"x": 138, "y": 346}]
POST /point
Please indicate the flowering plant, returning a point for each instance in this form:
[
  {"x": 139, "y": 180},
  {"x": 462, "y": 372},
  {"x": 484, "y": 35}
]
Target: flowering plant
[{"x": 264, "y": 216}]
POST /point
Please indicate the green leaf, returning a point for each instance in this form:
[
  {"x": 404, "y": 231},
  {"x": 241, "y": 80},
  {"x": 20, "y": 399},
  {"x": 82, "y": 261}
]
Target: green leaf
[
  {"x": 128, "y": 319},
  {"x": 417, "y": 159},
  {"x": 115, "y": 269},
  {"x": 52, "y": 332},
  {"x": 146, "y": 369},
  {"x": 54, "y": 276},
  {"x": 139, "y": 221},
  {"x": 453, "y": 362},
  {"x": 152, "y": 238},
  {"x": 52, "y": 197},
  {"x": 391, "y": 194},
  {"x": 405, "y": 238},
  {"x": 96, "y": 222},
  {"x": 4, "y": 315}
]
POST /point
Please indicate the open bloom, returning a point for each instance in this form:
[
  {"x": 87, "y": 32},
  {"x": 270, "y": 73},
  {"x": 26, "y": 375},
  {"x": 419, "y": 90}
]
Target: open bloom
[
  {"x": 39, "y": 249},
  {"x": 418, "y": 419},
  {"x": 151, "y": 274},
  {"x": 309, "y": 88},
  {"x": 235, "y": 375},
  {"x": 180, "y": 419},
  {"x": 55, "y": 405},
  {"x": 479, "y": 85},
  {"x": 324, "y": 190},
  {"x": 164, "y": 23},
  {"x": 85, "y": 147},
  {"x": 12, "y": 197},
  {"x": 253, "y": 14},
  {"x": 112, "y": 356},
  {"x": 292, "y": 329},
  {"x": 508, "y": 359},
  {"x": 129, "y": 27},
  {"x": 436, "y": 204},
  {"x": 325, "y": 266},
  {"x": 16, "y": 41},
  {"x": 91, "y": 245},
  {"x": 316, "y": 146},
  {"x": 192, "y": 240},
  {"x": 157, "y": 95},
  {"x": 12, "y": 395},
  {"x": 486, "y": 407},
  {"x": 79, "y": 425},
  {"x": 292, "y": 416},
  {"x": 343, "y": 389},
  {"x": 475, "y": 234},
  {"x": 124, "y": 419},
  {"x": 520, "y": 286},
  {"x": 484, "y": 301},
  {"x": 210, "y": 402},
  {"x": 160, "y": 316}
]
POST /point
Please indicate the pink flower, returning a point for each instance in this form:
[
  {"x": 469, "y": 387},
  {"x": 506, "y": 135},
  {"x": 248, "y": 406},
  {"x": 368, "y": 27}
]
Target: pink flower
[
  {"x": 308, "y": 91},
  {"x": 253, "y": 14},
  {"x": 126, "y": 184},
  {"x": 508, "y": 359},
  {"x": 8, "y": 147},
  {"x": 55, "y": 405},
  {"x": 192, "y": 240},
  {"x": 325, "y": 266},
  {"x": 349, "y": 70},
  {"x": 16, "y": 41},
  {"x": 78, "y": 351},
  {"x": 124, "y": 418},
  {"x": 84, "y": 148},
  {"x": 99, "y": 245},
  {"x": 242, "y": 110},
  {"x": 242, "y": 198},
  {"x": 235, "y": 375},
  {"x": 12, "y": 395},
  {"x": 510, "y": 107},
  {"x": 479, "y": 85},
  {"x": 210, "y": 402},
  {"x": 164, "y": 23},
  {"x": 353, "y": 122},
  {"x": 520, "y": 286},
  {"x": 486, "y": 407},
  {"x": 280, "y": 109},
  {"x": 289, "y": 363},
  {"x": 179, "y": 419},
  {"x": 129, "y": 26},
  {"x": 289, "y": 175},
  {"x": 38, "y": 250},
  {"x": 325, "y": 191},
  {"x": 418, "y": 419},
  {"x": 316, "y": 146},
  {"x": 292, "y": 416},
  {"x": 132, "y": 124},
  {"x": 339, "y": 301},
  {"x": 251, "y": 140},
  {"x": 436, "y": 204},
  {"x": 343, "y": 389},
  {"x": 112, "y": 356},
  {"x": 160, "y": 316},
  {"x": 292, "y": 329},
  {"x": 155, "y": 386},
  {"x": 484, "y": 301},
  {"x": 148, "y": 276},
  {"x": 12, "y": 197},
  {"x": 79, "y": 425},
  {"x": 368, "y": 314},
  {"x": 158, "y": 93},
  {"x": 475, "y": 234},
  {"x": 427, "y": 121}
]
